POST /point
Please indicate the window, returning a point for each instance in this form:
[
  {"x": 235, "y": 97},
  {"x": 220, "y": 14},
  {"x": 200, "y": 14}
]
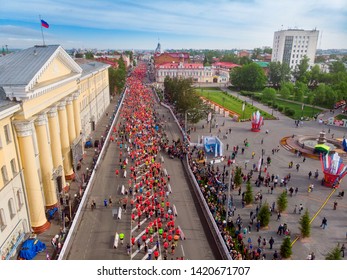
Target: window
[
  {"x": 11, "y": 208},
  {"x": 7, "y": 133},
  {"x": 4, "y": 174},
  {"x": 2, "y": 220},
  {"x": 13, "y": 166}
]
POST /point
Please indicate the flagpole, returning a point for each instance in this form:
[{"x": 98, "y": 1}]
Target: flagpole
[{"x": 43, "y": 38}]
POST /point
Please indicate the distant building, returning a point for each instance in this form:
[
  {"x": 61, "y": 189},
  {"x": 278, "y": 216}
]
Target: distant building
[
  {"x": 217, "y": 73},
  {"x": 290, "y": 46},
  {"x": 176, "y": 57},
  {"x": 243, "y": 53}
]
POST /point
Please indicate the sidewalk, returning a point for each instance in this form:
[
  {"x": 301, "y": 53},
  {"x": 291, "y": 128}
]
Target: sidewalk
[{"x": 100, "y": 131}]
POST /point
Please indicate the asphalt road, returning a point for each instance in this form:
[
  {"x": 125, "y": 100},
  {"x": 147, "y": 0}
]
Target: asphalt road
[{"x": 94, "y": 237}]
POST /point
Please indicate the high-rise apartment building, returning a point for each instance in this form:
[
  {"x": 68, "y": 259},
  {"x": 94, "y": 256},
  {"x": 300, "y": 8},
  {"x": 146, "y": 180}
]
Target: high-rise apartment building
[{"x": 291, "y": 45}]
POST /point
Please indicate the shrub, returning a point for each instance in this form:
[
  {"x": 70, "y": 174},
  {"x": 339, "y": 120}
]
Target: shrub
[
  {"x": 249, "y": 193},
  {"x": 290, "y": 112},
  {"x": 264, "y": 215},
  {"x": 282, "y": 201},
  {"x": 305, "y": 227},
  {"x": 286, "y": 248},
  {"x": 280, "y": 108}
]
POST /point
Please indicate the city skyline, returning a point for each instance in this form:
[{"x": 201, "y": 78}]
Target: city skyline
[{"x": 221, "y": 24}]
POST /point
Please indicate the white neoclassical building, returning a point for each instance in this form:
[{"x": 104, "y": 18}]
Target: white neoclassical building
[{"x": 49, "y": 104}]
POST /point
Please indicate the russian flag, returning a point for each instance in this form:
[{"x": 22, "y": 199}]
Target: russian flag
[{"x": 44, "y": 24}]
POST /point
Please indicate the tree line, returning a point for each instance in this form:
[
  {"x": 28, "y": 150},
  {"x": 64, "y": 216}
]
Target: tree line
[{"x": 303, "y": 84}]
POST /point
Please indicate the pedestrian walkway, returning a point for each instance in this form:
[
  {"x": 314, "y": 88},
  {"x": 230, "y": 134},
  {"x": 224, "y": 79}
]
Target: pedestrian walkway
[
  {"x": 319, "y": 202},
  {"x": 76, "y": 186}
]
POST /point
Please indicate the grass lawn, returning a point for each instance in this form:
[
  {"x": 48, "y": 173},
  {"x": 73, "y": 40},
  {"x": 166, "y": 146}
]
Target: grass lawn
[
  {"x": 230, "y": 102},
  {"x": 341, "y": 116},
  {"x": 307, "y": 112}
]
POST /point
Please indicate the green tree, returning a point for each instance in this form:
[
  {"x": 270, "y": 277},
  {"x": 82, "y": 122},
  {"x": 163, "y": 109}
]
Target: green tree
[
  {"x": 181, "y": 93},
  {"x": 89, "y": 55},
  {"x": 269, "y": 95},
  {"x": 248, "y": 77},
  {"x": 249, "y": 193},
  {"x": 278, "y": 73},
  {"x": 282, "y": 202},
  {"x": 334, "y": 254},
  {"x": 314, "y": 76},
  {"x": 305, "y": 227},
  {"x": 230, "y": 58},
  {"x": 300, "y": 90},
  {"x": 264, "y": 215},
  {"x": 337, "y": 66},
  {"x": 300, "y": 71},
  {"x": 267, "y": 50},
  {"x": 245, "y": 60},
  {"x": 286, "y": 90},
  {"x": 112, "y": 80},
  {"x": 256, "y": 53},
  {"x": 238, "y": 176},
  {"x": 286, "y": 248}
]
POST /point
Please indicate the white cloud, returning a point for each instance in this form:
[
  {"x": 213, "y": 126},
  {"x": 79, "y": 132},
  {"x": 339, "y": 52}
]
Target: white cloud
[{"x": 244, "y": 23}]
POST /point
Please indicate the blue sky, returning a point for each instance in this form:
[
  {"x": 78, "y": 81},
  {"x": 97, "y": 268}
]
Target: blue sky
[{"x": 199, "y": 24}]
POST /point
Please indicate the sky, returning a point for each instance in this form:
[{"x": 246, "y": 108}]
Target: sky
[{"x": 176, "y": 24}]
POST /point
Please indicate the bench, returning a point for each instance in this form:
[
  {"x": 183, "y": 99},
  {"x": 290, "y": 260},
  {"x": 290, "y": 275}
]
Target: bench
[
  {"x": 116, "y": 239},
  {"x": 119, "y": 216}
]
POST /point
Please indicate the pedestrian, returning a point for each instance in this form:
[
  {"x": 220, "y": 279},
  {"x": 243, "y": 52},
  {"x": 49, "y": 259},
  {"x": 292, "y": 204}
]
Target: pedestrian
[
  {"x": 278, "y": 215},
  {"x": 335, "y": 205},
  {"x": 297, "y": 167},
  {"x": 275, "y": 255},
  {"x": 271, "y": 242},
  {"x": 259, "y": 241},
  {"x": 309, "y": 174},
  {"x": 343, "y": 250},
  {"x": 149, "y": 254},
  {"x": 324, "y": 223},
  {"x": 300, "y": 208},
  {"x": 121, "y": 238},
  {"x": 128, "y": 248},
  {"x": 105, "y": 202},
  {"x": 295, "y": 209},
  {"x": 258, "y": 225}
]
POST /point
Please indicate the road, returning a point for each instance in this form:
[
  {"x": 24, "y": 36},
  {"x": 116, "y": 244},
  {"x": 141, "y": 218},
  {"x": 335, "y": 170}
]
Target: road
[{"x": 94, "y": 238}]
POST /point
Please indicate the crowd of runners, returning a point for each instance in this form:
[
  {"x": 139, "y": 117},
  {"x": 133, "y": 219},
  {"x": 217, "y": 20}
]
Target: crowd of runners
[{"x": 139, "y": 137}]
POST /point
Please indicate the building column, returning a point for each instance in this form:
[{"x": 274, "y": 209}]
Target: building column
[
  {"x": 64, "y": 139},
  {"x": 54, "y": 133},
  {"x": 71, "y": 120},
  {"x": 77, "y": 113},
  {"x": 37, "y": 213},
  {"x": 46, "y": 164}
]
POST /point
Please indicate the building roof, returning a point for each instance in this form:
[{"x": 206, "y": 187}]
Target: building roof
[
  {"x": 92, "y": 66},
  {"x": 262, "y": 64},
  {"x": 184, "y": 55},
  {"x": 7, "y": 107},
  {"x": 177, "y": 64},
  {"x": 225, "y": 64},
  {"x": 20, "y": 67}
]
